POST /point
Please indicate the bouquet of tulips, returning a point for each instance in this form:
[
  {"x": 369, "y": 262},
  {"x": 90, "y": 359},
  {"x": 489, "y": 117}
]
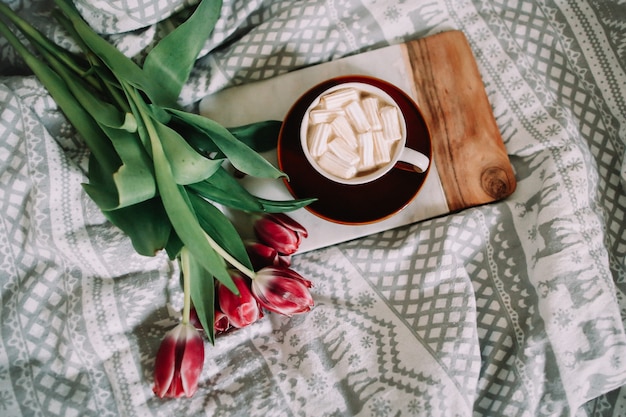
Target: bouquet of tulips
[
  {"x": 274, "y": 287},
  {"x": 160, "y": 174}
]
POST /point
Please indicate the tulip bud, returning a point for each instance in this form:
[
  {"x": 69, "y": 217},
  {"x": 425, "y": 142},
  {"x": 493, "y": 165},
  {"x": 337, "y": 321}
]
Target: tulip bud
[
  {"x": 221, "y": 322},
  {"x": 280, "y": 232},
  {"x": 262, "y": 255},
  {"x": 242, "y": 309},
  {"x": 282, "y": 290},
  {"x": 179, "y": 362}
]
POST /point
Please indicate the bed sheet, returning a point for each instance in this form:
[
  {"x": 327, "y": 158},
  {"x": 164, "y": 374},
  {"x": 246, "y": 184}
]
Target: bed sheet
[{"x": 516, "y": 308}]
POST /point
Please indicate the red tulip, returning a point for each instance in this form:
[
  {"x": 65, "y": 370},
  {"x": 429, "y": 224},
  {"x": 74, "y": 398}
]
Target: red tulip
[
  {"x": 280, "y": 232},
  {"x": 179, "y": 362},
  {"x": 262, "y": 255},
  {"x": 221, "y": 322},
  {"x": 242, "y": 309},
  {"x": 282, "y": 290}
]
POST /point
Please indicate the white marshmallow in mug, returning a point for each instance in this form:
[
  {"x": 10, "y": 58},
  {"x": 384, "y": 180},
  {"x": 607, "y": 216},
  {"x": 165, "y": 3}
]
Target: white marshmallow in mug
[
  {"x": 391, "y": 123},
  {"x": 370, "y": 107},
  {"x": 366, "y": 151},
  {"x": 318, "y": 140},
  {"x": 325, "y": 115},
  {"x": 338, "y": 99},
  {"x": 336, "y": 166},
  {"x": 342, "y": 128},
  {"x": 381, "y": 148},
  {"x": 357, "y": 117}
]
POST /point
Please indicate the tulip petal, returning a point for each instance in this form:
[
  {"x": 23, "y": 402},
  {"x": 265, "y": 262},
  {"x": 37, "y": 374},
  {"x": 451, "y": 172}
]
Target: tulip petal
[
  {"x": 241, "y": 310},
  {"x": 175, "y": 389},
  {"x": 165, "y": 363},
  {"x": 275, "y": 235},
  {"x": 289, "y": 223},
  {"x": 291, "y": 274},
  {"x": 282, "y": 290},
  {"x": 262, "y": 255},
  {"x": 221, "y": 323},
  {"x": 191, "y": 361},
  {"x": 280, "y": 232}
]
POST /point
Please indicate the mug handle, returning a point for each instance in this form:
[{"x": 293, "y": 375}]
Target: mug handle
[{"x": 417, "y": 160}]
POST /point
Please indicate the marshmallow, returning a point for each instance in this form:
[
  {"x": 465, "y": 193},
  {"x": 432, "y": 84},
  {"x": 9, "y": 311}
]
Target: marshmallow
[
  {"x": 338, "y": 99},
  {"x": 357, "y": 117},
  {"x": 342, "y": 128},
  {"x": 370, "y": 107},
  {"x": 325, "y": 116},
  {"x": 344, "y": 151},
  {"x": 382, "y": 153},
  {"x": 366, "y": 151},
  {"x": 318, "y": 139},
  {"x": 391, "y": 123},
  {"x": 335, "y": 166}
]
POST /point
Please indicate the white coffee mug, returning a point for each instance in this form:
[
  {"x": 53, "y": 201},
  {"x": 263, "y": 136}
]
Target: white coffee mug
[{"x": 399, "y": 152}]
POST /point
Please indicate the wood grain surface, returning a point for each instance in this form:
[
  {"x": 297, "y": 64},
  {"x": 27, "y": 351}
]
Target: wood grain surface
[{"x": 467, "y": 146}]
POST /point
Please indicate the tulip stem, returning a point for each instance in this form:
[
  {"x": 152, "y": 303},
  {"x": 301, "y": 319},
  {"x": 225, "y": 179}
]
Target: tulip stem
[
  {"x": 230, "y": 259},
  {"x": 184, "y": 260}
]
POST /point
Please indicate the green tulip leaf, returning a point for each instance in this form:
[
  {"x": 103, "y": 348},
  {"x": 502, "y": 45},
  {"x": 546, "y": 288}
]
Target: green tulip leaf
[
  {"x": 123, "y": 188},
  {"x": 202, "y": 292},
  {"x": 174, "y": 245},
  {"x": 183, "y": 219},
  {"x": 196, "y": 138},
  {"x": 96, "y": 140},
  {"x": 71, "y": 60},
  {"x": 224, "y": 189},
  {"x": 134, "y": 179},
  {"x": 187, "y": 165},
  {"x": 173, "y": 57},
  {"x": 145, "y": 223},
  {"x": 219, "y": 227},
  {"x": 280, "y": 206},
  {"x": 122, "y": 66},
  {"x": 260, "y": 136},
  {"x": 160, "y": 114},
  {"x": 239, "y": 154},
  {"x": 101, "y": 187},
  {"x": 102, "y": 112}
]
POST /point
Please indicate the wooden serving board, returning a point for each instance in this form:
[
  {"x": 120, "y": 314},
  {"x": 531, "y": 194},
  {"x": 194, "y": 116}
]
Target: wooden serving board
[
  {"x": 473, "y": 164},
  {"x": 470, "y": 165}
]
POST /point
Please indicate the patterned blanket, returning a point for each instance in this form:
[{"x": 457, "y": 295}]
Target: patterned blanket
[{"x": 516, "y": 308}]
